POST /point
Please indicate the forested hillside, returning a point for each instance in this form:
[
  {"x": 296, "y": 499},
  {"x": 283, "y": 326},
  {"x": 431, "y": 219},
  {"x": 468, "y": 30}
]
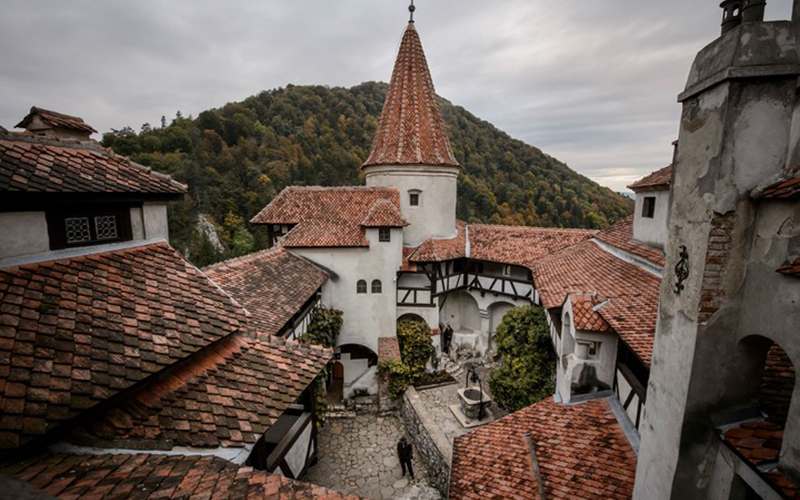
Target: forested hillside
[{"x": 235, "y": 159}]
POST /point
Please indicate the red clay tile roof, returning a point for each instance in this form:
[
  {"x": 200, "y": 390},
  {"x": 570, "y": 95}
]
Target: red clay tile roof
[
  {"x": 228, "y": 396},
  {"x": 411, "y": 130},
  {"x": 325, "y": 217},
  {"x": 58, "y": 120},
  {"x": 584, "y": 315},
  {"x": 384, "y": 213},
  {"x": 786, "y": 186},
  {"x": 520, "y": 245},
  {"x": 273, "y": 285},
  {"x": 438, "y": 250},
  {"x": 407, "y": 265},
  {"x": 760, "y": 443},
  {"x": 792, "y": 269},
  {"x": 620, "y": 236},
  {"x": 632, "y": 292},
  {"x": 77, "y": 331},
  {"x": 658, "y": 179},
  {"x": 45, "y": 166},
  {"x": 581, "y": 450},
  {"x": 144, "y": 476}
]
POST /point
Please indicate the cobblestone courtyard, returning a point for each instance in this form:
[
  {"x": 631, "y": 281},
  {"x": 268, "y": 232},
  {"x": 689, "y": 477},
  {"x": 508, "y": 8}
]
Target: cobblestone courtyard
[{"x": 358, "y": 455}]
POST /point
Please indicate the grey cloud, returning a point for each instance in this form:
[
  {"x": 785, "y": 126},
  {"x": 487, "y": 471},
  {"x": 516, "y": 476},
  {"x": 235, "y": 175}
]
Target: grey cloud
[{"x": 591, "y": 82}]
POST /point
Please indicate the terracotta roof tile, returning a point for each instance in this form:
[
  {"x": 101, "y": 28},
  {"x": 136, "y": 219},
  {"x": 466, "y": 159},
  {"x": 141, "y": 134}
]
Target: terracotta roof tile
[
  {"x": 658, "y": 179},
  {"x": 411, "y": 130},
  {"x": 760, "y": 444},
  {"x": 77, "y": 331},
  {"x": 45, "y": 166},
  {"x": 581, "y": 450},
  {"x": 585, "y": 312},
  {"x": 792, "y": 269},
  {"x": 438, "y": 250},
  {"x": 520, "y": 245},
  {"x": 325, "y": 217},
  {"x": 784, "y": 186},
  {"x": 226, "y": 396},
  {"x": 151, "y": 477},
  {"x": 632, "y": 292},
  {"x": 58, "y": 120},
  {"x": 620, "y": 236},
  {"x": 273, "y": 285},
  {"x": 384, "y": 213}
]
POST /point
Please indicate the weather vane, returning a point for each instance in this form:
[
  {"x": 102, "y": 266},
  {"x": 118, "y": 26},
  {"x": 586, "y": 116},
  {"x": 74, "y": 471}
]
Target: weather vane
[{"x": 411, "y": 9}]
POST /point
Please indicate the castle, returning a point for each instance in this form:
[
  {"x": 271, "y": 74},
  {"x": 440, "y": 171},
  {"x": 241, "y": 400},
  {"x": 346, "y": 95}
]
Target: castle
[{"x": 675, "y": 330}]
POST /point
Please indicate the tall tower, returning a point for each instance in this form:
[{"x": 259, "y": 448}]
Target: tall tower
[{"x": 411, "y": 151}]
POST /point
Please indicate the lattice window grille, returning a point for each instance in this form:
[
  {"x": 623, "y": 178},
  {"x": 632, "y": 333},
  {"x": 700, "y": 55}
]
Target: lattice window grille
[
  {"x": 78, "y": 229},
  {"x": 106, "y": 227}
]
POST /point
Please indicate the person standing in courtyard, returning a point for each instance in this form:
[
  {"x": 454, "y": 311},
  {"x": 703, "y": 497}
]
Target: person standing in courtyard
[
  {"x": 405, "y": 453},
  {"x": 447, "y": 337}
]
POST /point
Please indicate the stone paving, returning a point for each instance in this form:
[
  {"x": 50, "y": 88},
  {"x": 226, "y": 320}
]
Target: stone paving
[
  {"x": 359, "y": 455},
  {"x": 437, "y": 401}
]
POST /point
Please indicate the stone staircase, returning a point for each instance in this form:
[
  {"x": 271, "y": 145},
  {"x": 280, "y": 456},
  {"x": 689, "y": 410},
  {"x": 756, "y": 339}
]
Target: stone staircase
[{"x": 359, "y": 405}]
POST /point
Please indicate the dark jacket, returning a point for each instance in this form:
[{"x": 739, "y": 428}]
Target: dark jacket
[{"x": 404, "y": 451}]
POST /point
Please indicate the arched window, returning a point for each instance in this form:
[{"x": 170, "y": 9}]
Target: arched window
[
  {"x": 361, "y": 286},
  {"x": 376, "y": 286}
]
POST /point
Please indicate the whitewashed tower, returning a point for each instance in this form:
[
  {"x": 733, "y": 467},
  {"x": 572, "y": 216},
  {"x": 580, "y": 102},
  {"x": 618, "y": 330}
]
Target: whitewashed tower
[{"x": 411, "y": 151}]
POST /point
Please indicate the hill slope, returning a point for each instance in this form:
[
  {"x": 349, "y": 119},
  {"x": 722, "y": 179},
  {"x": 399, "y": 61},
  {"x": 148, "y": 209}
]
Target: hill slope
[{"x": 238, "y": 157}]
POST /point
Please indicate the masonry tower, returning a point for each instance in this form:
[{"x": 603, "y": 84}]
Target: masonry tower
[{"x": 411, "y": 150}]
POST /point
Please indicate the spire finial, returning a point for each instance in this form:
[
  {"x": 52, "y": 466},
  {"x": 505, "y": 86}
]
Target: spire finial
[{"x": 411, "y": 9}]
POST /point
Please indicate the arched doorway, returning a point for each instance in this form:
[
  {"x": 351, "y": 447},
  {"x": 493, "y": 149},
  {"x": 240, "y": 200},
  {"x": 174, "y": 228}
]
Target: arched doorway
[
  {"x": 335, "y": 382},
  {"x": 497, "y": 312}
]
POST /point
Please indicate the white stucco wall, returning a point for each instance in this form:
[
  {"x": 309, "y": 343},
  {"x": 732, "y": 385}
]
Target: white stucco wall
[
  {"x": 652, "y": 231},
  {"x": 155, "y": 221},
  {"x": 23, "y": 233},
  {"x": 366, "y": 316},
  {"x": 436, "y": 214},
  {"x": 296, "y": 456},
  {"x": 137, "y": 223}
]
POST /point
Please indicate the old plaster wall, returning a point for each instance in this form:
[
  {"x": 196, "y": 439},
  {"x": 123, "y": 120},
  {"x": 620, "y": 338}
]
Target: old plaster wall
[
  {"x": 155, "y": 224},
  {"x": 366, "y": 316},
  {"x": 652, "y": 231},
  {"x": 436, "y": 214},
  {"x": 24, "y": 233},
  {"x": 734, "y": 134}
]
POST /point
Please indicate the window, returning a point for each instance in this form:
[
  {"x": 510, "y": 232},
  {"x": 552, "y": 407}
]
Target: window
[
  {"x": 506, "y": 270},
  {"x": 361, "y": 286},
  {"x": 384, "y": 234},
  {"x": 376, "y": 286},
  {"x": 90, "y": 225},
  {"x": 649, "y": 207},
  {"x": 413, "y": 198}
]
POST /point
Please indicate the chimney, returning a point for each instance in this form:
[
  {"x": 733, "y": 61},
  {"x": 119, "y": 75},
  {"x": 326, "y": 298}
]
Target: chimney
[
  {"x": 753, "y": 11},
  {"x": 46, "y": 123},
  {"x": 731, "y": 14}
]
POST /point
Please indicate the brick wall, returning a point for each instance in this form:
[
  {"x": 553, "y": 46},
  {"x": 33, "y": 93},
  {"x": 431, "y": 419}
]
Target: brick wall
[{"x": 713, "y": 294}]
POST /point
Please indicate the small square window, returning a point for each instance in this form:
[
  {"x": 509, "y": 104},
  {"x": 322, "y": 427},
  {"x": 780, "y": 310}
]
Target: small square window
[
  {"x": 649, "y": 207},
  {"x": 77, "y": 229},
  {"x": 414, "y": 199},
  {"x": 384, "y": 234},
  {"x": 106, "y": 227}
]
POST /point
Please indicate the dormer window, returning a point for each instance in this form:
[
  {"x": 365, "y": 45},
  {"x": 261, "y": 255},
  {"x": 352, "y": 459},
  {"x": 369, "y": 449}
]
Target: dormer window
[
  {"x": 649, "y": 207},
  {"x": 414, "y": 198},
  {"x": 89, "y": 226},
  {"x": 384, "y": 234}
]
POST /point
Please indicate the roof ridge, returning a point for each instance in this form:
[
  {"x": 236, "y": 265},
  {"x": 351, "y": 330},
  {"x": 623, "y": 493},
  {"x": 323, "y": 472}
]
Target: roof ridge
[
  {"x": 566, "y": 229},
  {"x": 243, "y": 258}
]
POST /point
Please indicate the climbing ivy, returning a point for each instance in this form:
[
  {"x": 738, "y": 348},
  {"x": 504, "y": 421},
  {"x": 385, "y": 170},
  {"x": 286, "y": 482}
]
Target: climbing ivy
[
  {"x": 324, "y": 328},
  {"x": 416, "y": 348}
]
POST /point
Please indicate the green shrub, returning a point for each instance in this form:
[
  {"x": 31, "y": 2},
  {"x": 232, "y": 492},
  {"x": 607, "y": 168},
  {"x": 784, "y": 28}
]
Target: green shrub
[
  {"x": 526, "y": 375},
  {"x": 324, "y": 328},
  {"x": 397, "y": 373},
  {"x": 416, "y": 347}
]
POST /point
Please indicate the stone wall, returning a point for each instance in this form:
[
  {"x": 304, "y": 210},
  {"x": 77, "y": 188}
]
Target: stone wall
[
  {"x": 431, "y": 447},
  {"x": 388, "y": 350}
]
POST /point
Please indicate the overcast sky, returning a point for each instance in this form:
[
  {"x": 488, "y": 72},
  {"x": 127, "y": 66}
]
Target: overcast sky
[{"x": 591, "y": 82}]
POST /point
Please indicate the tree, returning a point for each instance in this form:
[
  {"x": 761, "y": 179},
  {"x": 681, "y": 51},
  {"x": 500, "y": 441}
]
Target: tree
[{"x": 527, "y": 373}]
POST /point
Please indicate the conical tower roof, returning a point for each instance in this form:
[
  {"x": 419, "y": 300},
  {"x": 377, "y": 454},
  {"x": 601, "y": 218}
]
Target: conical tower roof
[{"x": 411, "y": 129}]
